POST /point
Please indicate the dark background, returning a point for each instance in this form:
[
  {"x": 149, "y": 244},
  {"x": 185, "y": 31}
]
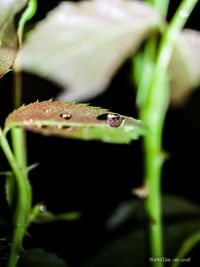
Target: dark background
[{"x": 93, "y": 177}]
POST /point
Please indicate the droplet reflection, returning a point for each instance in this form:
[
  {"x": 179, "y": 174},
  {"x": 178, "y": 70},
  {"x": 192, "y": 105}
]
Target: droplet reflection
[
  {"x": 47, "y": 110},
  {"x": 115, "y": 120},
  {"x": 183, "y": 13},
  {"x": 43, "y": 208},
  {"x": 65, "y": 116}
]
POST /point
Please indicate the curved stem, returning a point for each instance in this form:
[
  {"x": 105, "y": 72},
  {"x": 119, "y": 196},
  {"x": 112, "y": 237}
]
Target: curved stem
[
  {"x": 18, "y": 135},
  {"x": 153, "y": 113},
  {"x": 26, "y": 16},
  {"x": 23, "y": 205},
  {"x": 19, "y": 162}
]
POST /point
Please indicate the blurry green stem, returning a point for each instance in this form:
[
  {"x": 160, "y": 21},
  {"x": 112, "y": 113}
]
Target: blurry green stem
[
  {"x": 161, "y": 5},
  {"x": 18, "y": 161},
  {"x": 23, "y": 204},
  {"x": 26, "y": 16},
  {"x": 18, "y": 135},
  {"x": 153, "y": 113}
]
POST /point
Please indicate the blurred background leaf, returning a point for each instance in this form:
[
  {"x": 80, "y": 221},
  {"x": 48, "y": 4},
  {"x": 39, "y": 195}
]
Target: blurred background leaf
[
  {"x": 185, "y": 66},
  {"x": 8, "y": 33},
  {"x": 80, "y": 46},
  {"x": 40, "y": 258},
  {"x": 127, "y": 243}
]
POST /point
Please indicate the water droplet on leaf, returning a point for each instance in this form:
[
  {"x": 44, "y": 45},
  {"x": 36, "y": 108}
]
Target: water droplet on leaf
[
  {"x": 183, "y": 13},
  {"x": 115, "y": 120},
  {"x": 65, "y": 116},
  {"x": 28, "y": 122},
  {"x": 39, "y": 125},
  {"x": 47, "y": 110},
  {"x": 43, "y": 208}
]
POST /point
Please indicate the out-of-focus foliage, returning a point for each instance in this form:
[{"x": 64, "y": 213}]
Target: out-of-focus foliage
[
  {"x": 185, "y": 66},
  {"x": 40, "y": 258},
  {"x": 80, "y": 46},
  {"x": 8, "y": 33},
  {"x": 127, "y": 247}
]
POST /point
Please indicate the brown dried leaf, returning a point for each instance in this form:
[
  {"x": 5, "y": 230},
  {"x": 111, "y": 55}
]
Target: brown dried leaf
[
  {"x": 8, "y": 50},
  {"x": 8, "y": 35},
  {"x": 73, "y": 120},
  {"x": 80, "y": 46}
]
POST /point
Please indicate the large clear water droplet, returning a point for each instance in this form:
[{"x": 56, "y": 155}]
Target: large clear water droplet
[{"x": 115, "y": 120}]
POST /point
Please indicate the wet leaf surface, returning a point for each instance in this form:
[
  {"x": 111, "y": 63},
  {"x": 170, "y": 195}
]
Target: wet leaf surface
[
  {"x": 185, "y": 66},
  {"x": 8, "y": 33},
  {"x": 69, "y": 119},
  {"x": 80, "y": 46}
]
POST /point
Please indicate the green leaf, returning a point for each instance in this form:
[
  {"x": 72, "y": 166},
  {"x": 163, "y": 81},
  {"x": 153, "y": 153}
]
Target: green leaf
[
  {"x": 81, "y": 45},
  {"x": 8, "y": 34},
  {"x": 40, "y": 258},
  {"x": 40, "y": 214},
  {"x": 68, "y": 119},
  {"x": 47, "y": 217},
  {"x": 185, "y": 66}
]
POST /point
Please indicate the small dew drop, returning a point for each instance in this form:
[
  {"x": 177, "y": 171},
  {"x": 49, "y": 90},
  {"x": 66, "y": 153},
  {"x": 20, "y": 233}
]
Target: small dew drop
[
  {"x": 65, "y": 116},
  {"x": 115, "y": 120},
  {"x": 43, "y": 208},
  {"x": 28, "y": 121},
  {"x": 183, "y": 13},
  {"x": 47, "y": 110},
  {"x": 38, "y": 125}
]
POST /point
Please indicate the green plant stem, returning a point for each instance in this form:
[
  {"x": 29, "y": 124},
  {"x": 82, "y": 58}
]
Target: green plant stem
[
  {"x": 19, "y": 147},
  {"x": 19, "y": 162},
  {"x": 153, "y": 114},
  {"x": 23, "y": 205},
  {"x": 22, "y": 211},
  {"x": 147, "y": 61},
  {"x": 186, "y": 247},
  {"x": 18, "y": 135},
  {"x": 26, "y": 16},
  {"x": 161, "y": 5}
]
